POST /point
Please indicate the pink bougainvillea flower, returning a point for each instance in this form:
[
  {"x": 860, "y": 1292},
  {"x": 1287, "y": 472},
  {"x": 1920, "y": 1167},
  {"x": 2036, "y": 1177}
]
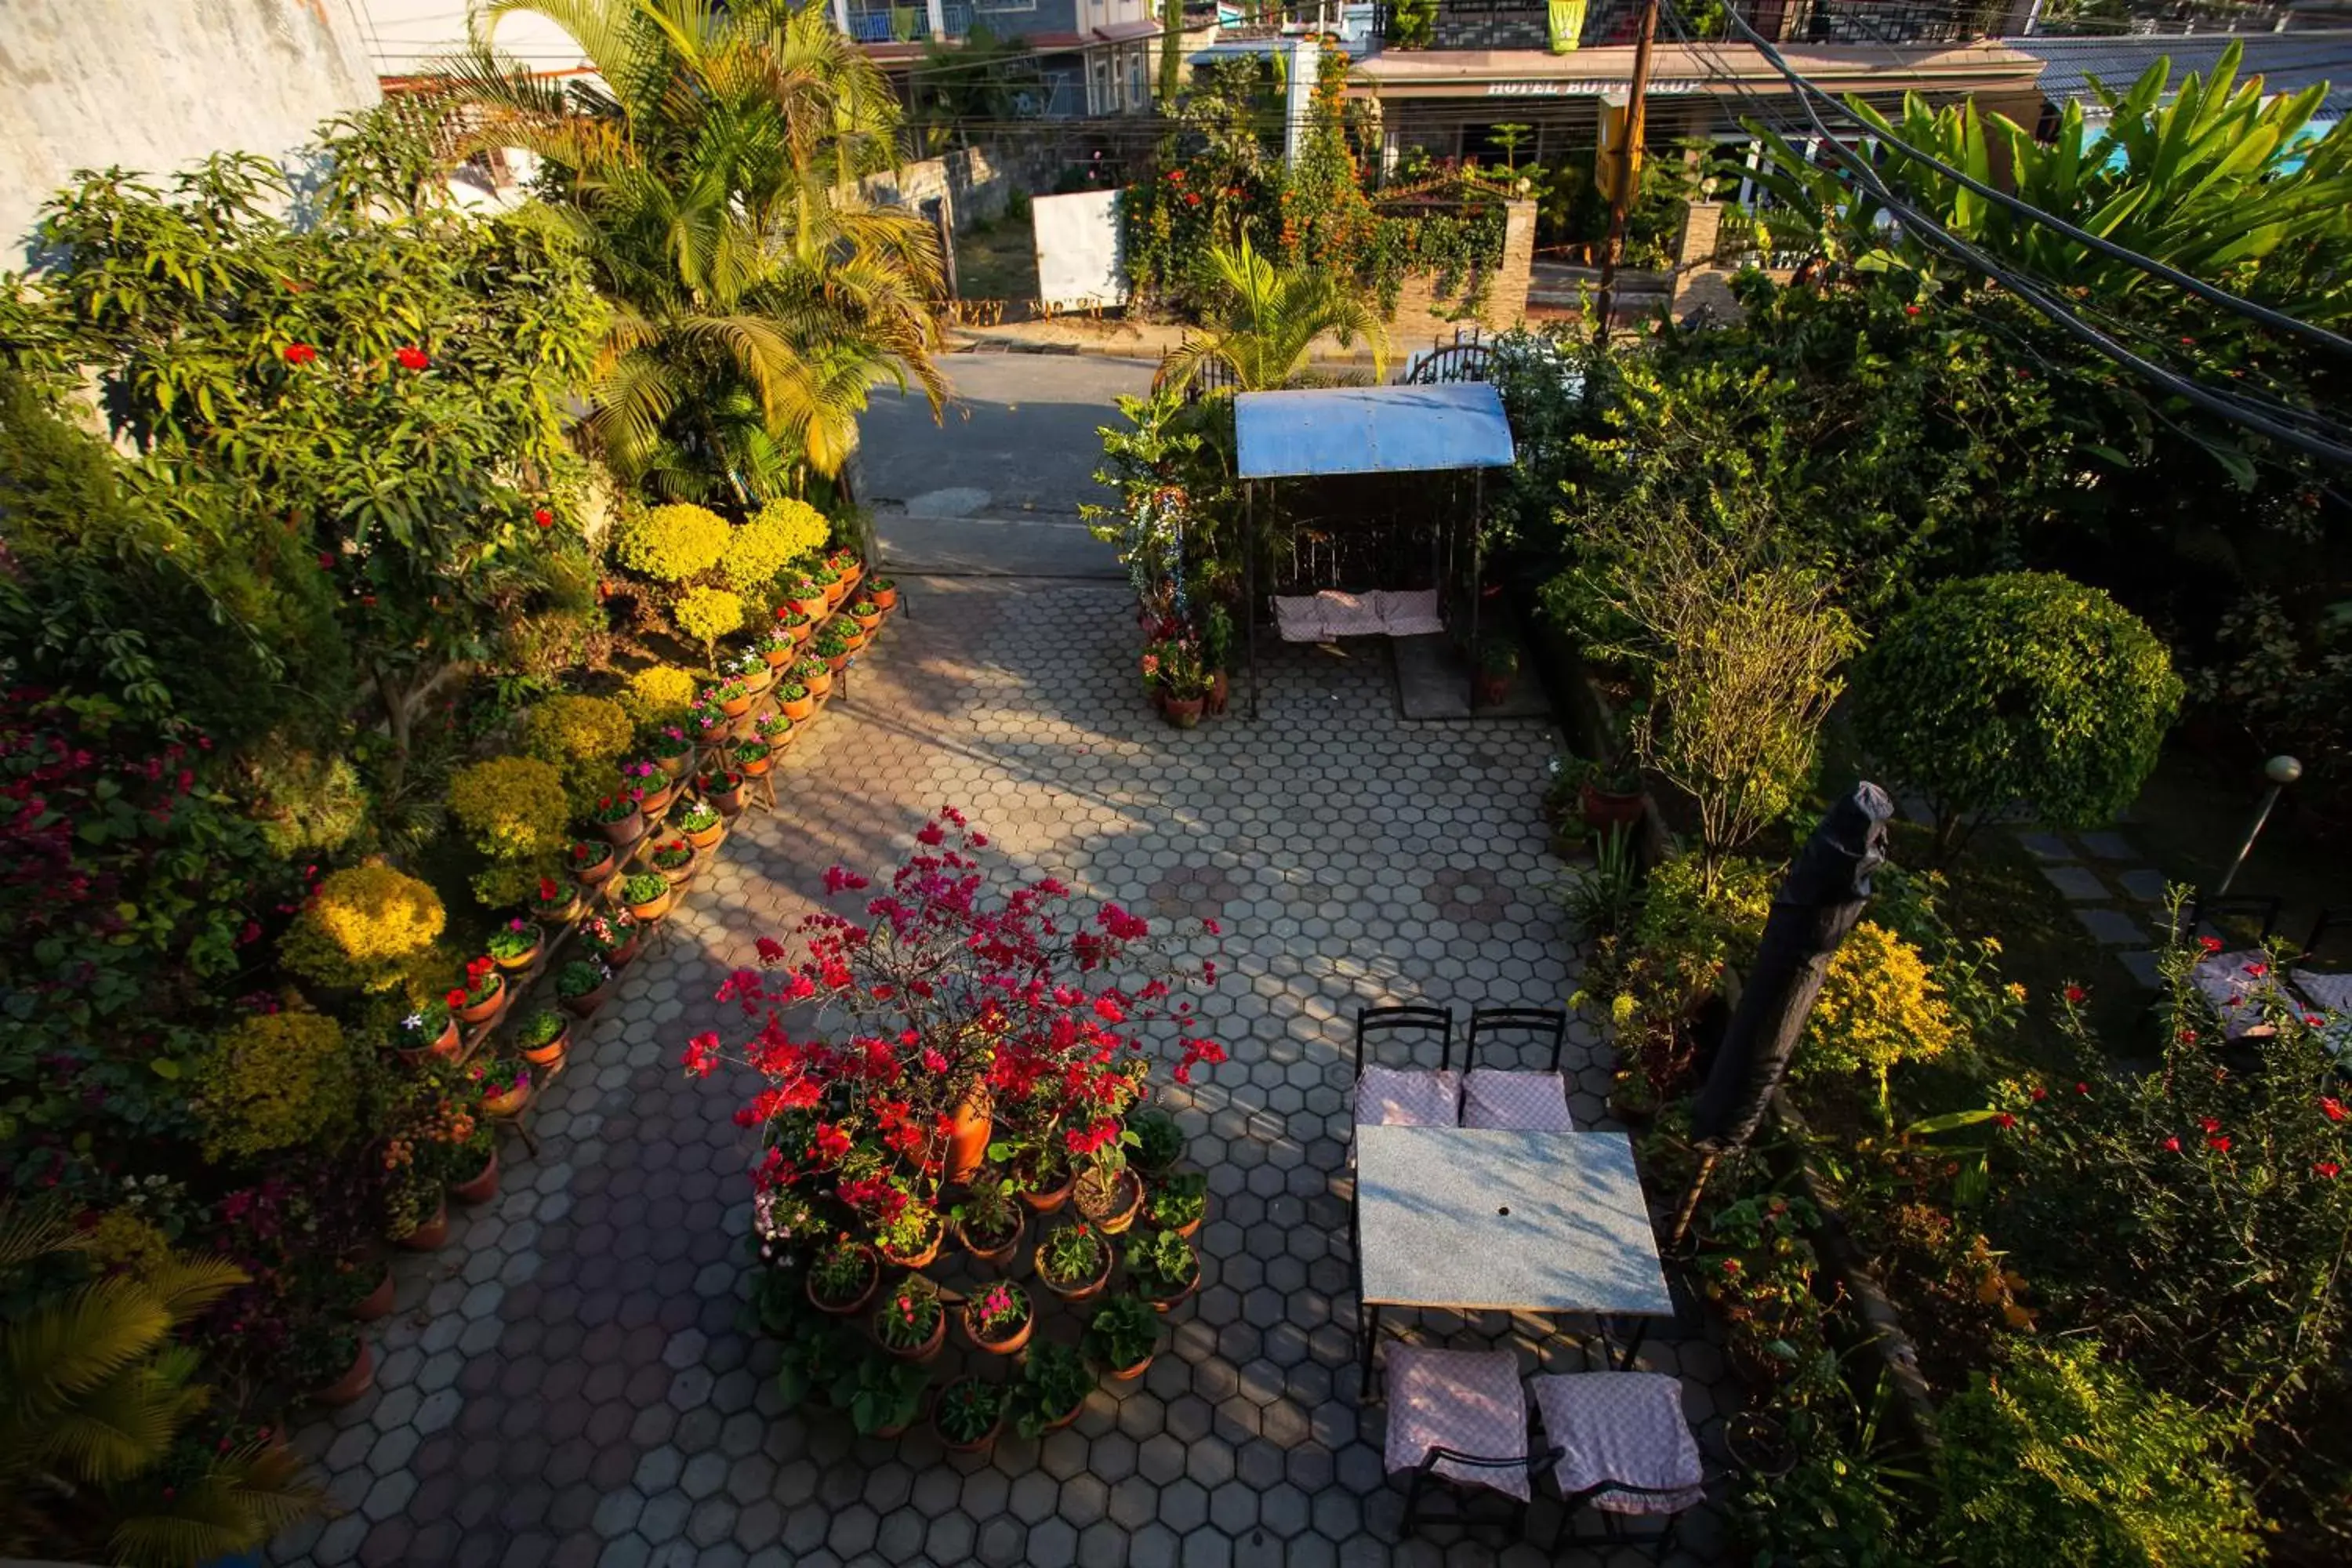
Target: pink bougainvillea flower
[{"x": 411, "y": 357}]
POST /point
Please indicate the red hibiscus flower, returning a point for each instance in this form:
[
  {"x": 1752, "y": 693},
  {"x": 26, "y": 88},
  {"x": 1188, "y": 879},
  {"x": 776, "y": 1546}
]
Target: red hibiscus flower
[
  {"x": 300, "y": 353},
  {"x": 2331, "y": 1107},
  {"x": 2075, "y": 994},
  {"x": 2209, "y": 1125},
  {"x": 2220, "y": 1145},
  {"x": 2210, "y": 943},
  {"x": 2172, "y": 1145},
  {"x": 2328, "y": 1168},
  {"x": 544, "y": 518},
  {"x": 411, "y": 357}
]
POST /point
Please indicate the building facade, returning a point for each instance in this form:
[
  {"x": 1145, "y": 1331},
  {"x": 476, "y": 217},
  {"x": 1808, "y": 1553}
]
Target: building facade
[{"x": 1087, "y": 57}]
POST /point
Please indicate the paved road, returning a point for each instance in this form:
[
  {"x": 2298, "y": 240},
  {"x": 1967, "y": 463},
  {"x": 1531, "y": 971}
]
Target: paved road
[{"x": 995, "y": 486}]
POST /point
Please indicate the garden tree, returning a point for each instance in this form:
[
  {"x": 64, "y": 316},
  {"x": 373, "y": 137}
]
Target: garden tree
[
  {"x": 2060, "y": 1456},
  {"x": 389, "y": 396},
  {"x": 708, "y": 176},
  {"x": 2026, "y": 689},
  {"x": 1268, "y": 319},
  {"x": 107, "y": 1448}
]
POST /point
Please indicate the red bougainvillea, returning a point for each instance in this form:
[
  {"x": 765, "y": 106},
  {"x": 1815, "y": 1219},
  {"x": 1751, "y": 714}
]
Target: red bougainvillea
[{"x": 955, "y": 997}]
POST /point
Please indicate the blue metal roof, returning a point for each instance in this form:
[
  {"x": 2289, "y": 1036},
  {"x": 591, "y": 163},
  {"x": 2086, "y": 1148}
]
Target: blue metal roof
[
  {"x": 1371, "y": 431},
  {"x": 2287, "y": 62}
]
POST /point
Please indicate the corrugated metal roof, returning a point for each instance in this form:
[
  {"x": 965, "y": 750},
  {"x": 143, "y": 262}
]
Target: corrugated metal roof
[
  {"x": 1370, "y": 430},
  {"x": 2287, "y": 62}
]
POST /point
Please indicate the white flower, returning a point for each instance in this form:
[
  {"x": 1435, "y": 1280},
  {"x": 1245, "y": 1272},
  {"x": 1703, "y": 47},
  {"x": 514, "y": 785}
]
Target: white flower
[{"x": 413, "y": 1022}]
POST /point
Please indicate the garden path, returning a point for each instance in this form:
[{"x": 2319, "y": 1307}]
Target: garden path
[{"x": 568, "y": 1380}]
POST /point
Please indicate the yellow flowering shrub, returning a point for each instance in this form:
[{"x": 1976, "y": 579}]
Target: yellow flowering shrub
[
  {"x": 514, "y": 807},
  {"x": 585, "y": 736},
  {"x": 1879, "y": 1006},
  {"x": 363, "y": 927},
  {"x": 120, "y": 1239},
  {"x": 784, "y": 530},
  {"x": 275, "y": 1080},
  {"x": 659, "y": 694},
  {"x": 706, "y": 615},
  {"x": 672, "y": 543}
]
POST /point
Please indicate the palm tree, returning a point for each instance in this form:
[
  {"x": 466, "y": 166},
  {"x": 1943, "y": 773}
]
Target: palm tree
[
  {"x": 1270, "y": 317},
  {"x": 709, "y": 172},
  {"x": 96, "y": 1396}
]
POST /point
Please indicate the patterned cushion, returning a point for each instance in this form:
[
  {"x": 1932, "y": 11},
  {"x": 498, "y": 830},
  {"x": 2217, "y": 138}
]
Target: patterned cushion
[
  {"x": 2328, "y": 992},
  {"x": 2238, "y": 985},
  {"x": 1468, "y": 1400},
  {"x": 1409, "y": 615},
  {"x": 1515, "y": 1101},
  {"x": 1623, "y": 1427},
  {"x": 1392, "y": 1096}
]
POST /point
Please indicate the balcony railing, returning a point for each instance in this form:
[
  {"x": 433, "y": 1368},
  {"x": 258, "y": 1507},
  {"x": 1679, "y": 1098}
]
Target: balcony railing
[
  {"x": 908, "y": 23},
  {"x": 1350, "y": 21}
]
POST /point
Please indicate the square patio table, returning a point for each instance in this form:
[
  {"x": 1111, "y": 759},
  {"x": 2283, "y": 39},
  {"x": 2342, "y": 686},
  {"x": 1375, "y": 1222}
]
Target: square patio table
[{"x": 1471, "y": 1220}]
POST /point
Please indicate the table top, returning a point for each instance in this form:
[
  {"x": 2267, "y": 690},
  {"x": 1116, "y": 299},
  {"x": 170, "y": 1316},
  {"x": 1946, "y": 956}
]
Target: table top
[{"x": 1479, "y": 1220}]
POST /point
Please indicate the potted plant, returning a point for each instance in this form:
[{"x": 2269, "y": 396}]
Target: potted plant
[
  {"x": 866, "y": 614},
  {"x": 806, "y": 596},
  {"x": 883, "y": 1396},
  {"x": 1107, "y": 1192},
  {"x": 1052, "y": 1389},
  {"x": 884, "y": 591},
  {"x": 1177, "y": 1203},
  {"x": 846, "y": 564},
  {"x": 672, "y": 750},
  {"x": 416, "y": 1209},
  {"x": 591, "y": 862},
  {"x": 1164, "y": 1268},
  {"x": 829, "y": 580},
  {"x": 910, "y": 1236},
  {"x": 546, "y": 1034},
  {"x": 471, "y": 1160},
  {"x": 752, "y": 670},
  {"x": 612, "y": 938},
  {"x": 652, "y": 784},
  {"x": 999, "y": 1319},
  {"x": 834, "y": 647},
  {"x": 1158, "y": 1142},
  {"x": 1609, "y": 795},
  {"x": 1183, "y": 682},
  {"x": 647, "y": 895},
  {"x": 482, "y": 995},
  {"x": 1122, "y": 1337},
  {"x": 724, "y": 788},
  {"x": 673, "y": 860},
  {"x": 431, "y": 1029},
  {"x": 516, "y": 944},
  {"x": 382, "y": 1293},
  {"x": 505, "y": 1085},
  {"x": 734, "y": 698},
  {"x": 1216, "y": 657},
  {"x": 1074, "y": 1262},
  {"x": 912, "y": 1322},
  {"x": 582, "y": 986},
  {"x": 1498, "y": 666},
  {"x": 751, "y": 758},
  {"x": 843, "y": 1278},
  {"x": 814, "y": 673},
  {"x": 968, "y": 1415},
  {"x": 774, "y": 649},
  {"x": 331, "y": 1361},
  {"x": 554, "y": 902},
  {"x": 775, "y": 731},
  {"x": 794, "y": 624},
  {"x": 797, "y": 700},
  {"x": 988, "y": 1222},
  {"x": 619, "y": 817},
  {"x": 1042, "y": 1174},
  {"x": 702, "y": 825}
]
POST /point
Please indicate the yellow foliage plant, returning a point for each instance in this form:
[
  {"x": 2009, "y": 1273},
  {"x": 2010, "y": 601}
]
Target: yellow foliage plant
[
  {"x": 517, "y": 811},
  {"x": 1879, "y": 1006},
  {"x": 659, "y": 694},
  {"x": 363, "y": 928},
  {"x": 585, "y": 736},
  {"x": 276, "y": 1080},
  {"x": 783, "y": 530},
  {"x": 673, "y": 544},
  {"x": 706, "y": 615}
]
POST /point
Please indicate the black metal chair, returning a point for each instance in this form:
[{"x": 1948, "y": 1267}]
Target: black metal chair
[
  {"x": 1407, "y": 1097},
  {"x": 1512, "y": 1098}
]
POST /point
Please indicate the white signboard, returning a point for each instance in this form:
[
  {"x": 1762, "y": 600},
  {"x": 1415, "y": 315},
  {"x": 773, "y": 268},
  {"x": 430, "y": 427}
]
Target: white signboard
[{"x": 1076, "y": 240}]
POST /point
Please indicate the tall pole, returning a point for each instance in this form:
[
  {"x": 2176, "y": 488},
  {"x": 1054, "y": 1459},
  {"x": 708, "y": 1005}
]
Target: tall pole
[{"x": 1629, "y": 153}]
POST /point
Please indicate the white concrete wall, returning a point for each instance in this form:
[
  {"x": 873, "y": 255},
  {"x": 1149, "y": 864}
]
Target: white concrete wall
[
  {"x": 405, "y": 37},
  {"x": 154, "y": 85}
]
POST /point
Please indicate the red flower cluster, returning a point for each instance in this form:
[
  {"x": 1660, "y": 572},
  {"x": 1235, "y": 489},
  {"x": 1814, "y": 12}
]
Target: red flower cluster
[
  {"x": 300, "y": 353},
  {"x": 544, "y": 518},
  {"x": 411, "y": 357}
]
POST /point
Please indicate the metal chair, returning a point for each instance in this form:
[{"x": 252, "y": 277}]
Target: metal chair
[
  {"x": 1458, "y": 1416},
  {"x": 1417, "y": 1097},
  {"x": 1626, "y": 1450},
  {"x": 1510, "y": 1099}
]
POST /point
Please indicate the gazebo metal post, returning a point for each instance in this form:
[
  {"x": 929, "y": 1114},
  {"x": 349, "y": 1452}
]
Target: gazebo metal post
[
  {"x": 1477, "y": 572},
  {"x": 1249, "y": 582}
]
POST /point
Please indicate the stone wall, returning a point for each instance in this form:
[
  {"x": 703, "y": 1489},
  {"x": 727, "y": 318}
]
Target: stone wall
[
  {"x": 1420, "y": 308},
  {"x": 976, "y": 182},
  {"x": 89, "y": 83}
]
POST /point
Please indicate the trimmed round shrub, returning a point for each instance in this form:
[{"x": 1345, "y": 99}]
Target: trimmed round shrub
[
  {"x": 2024, "y": 689},
  {"x": 276, "y": 1080},
  {"x": 706, "y": 615},
  {"x": 582, "y": 735},
  {"x": 659, "y": 694},
  {"x": 672, "y": 543},
  {"x": 514, "y": 807},
  {"x": 784, "y": 530},
  {"x": 362, "y": 927}
]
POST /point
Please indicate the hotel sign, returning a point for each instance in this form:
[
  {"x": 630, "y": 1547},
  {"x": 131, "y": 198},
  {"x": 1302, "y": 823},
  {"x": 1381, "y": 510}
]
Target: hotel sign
[{"x": 1591, "y": 88}]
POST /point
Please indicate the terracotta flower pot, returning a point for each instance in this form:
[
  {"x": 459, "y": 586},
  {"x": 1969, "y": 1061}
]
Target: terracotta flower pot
[
  {"x": 654, "y": 908},
  {"x": 619, "y": 957},
  {"x": 924, "y": 1351},
  {"x": 1068, "y": 1416},
  {"x": 379, "y": 1301},
  {"x": 978, "y": 1445},
  {"x": 726, "y": 802},
  {"x": 885, "y": 598},
  {"x": 920, "y": 1259},
  {"x": 657, "y": 798},
  {"x": 1085, "y": 1290},
  {"x": 798, "y": 709},
  {"x": 835, "y": 591},
  {"x": 856, "y": 634},
  {"x": 1491, "y": 688},
  {"x": 675, "y": 766},
  {"x": 1045, "y": 1200},
  {"x": 815, "y": 610},
  {"x": 820, "y": 682},
  {"x": 995, "y": 1257},
  {"x": 510, "y": 1103},
  {"x": 1604, "y": 809},
  {"x": 1163, "y": 1304},
  {"x": 594, "y": 876},
  {"x": 627, "y": 830},
  {"x": 735, "y": 707},
  {"x": 522, "y": 961},
  {"x": 858, "y": 1303},
  {"x": 1118, "y": 1215},
  {"x": 757, "y": 682},
  {"x": 448, "y": 1042},
  {"x": 968, "y": 1134},
  {"x": 431, "y": 1232},
  {"x": 1184, "y": 712},
  {"x": 479, "y": 1012},
  {"x": 835, "y": 662},
  {"x": 866, "y": 623},
  {"x": 478, "y": 1189},
  {"x": 1220, "y": 689},
  {"x": 1128, "y": 1375},
  {"x": 1011, "y": 1344},
  {"x": 552, "y": 1052},
  {"x": 347, "y": 1388},
  {"x": 583, "y": 1006},
  {"x": 755, "y": 767},
  {"x": 704, "y": 838}
]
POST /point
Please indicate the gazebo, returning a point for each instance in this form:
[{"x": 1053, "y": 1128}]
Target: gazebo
[{"x": 1313, "y": 432}]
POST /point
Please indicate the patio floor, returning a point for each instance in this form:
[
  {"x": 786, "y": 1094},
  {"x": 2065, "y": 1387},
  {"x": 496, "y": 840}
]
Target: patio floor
[{"x": 567, "y": 1380}]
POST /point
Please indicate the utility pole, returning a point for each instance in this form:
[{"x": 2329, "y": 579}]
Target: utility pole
[{"x": 1628, "y": 155}]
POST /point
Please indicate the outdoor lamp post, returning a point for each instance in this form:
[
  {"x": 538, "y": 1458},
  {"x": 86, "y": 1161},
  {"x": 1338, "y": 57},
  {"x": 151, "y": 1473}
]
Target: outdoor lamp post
[{"x": 2281, "y": 771}]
